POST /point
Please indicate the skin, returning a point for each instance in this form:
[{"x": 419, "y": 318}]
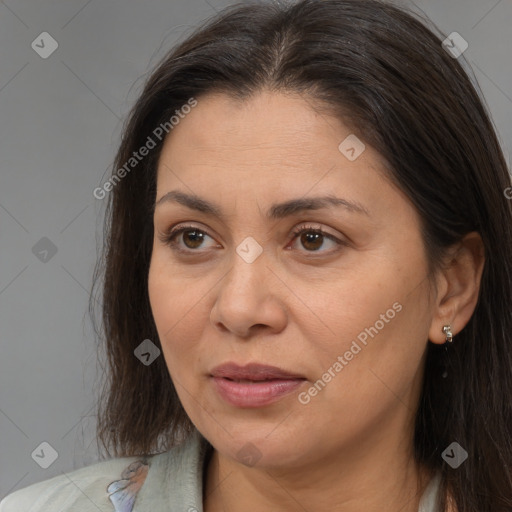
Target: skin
[{"x": 350, "y": 448}]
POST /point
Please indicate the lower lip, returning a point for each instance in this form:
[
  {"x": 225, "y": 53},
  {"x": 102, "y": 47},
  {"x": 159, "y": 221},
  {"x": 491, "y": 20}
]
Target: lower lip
[{"x": 256, "y": 394}]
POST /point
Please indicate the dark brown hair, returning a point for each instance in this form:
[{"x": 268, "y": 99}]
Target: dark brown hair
[{"x": 382, "y": 70}]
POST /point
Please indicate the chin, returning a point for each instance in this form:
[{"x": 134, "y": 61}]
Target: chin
[{"x": 263, "y": 448}]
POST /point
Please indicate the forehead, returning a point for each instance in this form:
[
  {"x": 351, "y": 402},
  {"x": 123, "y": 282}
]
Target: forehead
[{"x": 277, "y": 137}]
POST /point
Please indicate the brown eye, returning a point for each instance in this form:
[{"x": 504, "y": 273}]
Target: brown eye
[
  {"x": 192, "y": 238},
  {"x": 313, "y": 239}
]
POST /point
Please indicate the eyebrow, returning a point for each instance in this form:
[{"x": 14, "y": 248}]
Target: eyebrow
[{"x": 276, "y": 211}]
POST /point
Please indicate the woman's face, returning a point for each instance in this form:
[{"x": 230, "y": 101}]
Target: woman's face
[{"x": 348, "y": 316}]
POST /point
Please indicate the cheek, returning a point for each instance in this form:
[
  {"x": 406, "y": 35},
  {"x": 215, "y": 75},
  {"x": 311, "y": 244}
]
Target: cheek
[
  {"x": 160, "y": 293},
  {"x": 166, "y": 305},
  {"x": 176, "y": 310},
  {"x": 169, "y": 295},
  {"x": 378, "y": 323},
  {"x": 354, "y": 302}
]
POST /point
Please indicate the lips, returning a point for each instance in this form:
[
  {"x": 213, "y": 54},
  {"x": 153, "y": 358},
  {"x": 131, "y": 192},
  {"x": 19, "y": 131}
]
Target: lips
[
  {"x": 253, "y": 385},
  {"x": 252, "y": 372}
]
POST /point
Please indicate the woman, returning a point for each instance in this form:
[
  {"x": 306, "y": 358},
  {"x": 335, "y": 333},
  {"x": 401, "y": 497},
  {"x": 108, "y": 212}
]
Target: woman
[{"x": 307, "y": 296}]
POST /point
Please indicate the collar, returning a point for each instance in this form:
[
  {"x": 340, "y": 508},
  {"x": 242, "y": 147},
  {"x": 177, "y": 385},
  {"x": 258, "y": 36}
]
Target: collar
[{"x": 174, "y": 480}]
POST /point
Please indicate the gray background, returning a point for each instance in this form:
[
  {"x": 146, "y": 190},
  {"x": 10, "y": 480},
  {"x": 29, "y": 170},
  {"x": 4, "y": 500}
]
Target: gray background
[{"x": 60, "y": 121}]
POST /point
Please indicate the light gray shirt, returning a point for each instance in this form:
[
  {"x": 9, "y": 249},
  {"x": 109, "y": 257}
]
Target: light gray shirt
[{"x": 168, "y": 482}]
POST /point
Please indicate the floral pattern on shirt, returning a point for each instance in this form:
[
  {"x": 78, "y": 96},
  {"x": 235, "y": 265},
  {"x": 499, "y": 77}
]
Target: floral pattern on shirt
[{"x": 122, "y": 493}]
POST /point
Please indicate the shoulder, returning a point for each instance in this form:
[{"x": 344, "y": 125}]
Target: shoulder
[
  {"x": 81, "y": 490},
  {"x": 158, "y": 482}
]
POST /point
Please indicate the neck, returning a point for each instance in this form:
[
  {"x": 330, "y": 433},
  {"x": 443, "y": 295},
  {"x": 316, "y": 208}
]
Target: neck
[{"x": 369, "y": 484}]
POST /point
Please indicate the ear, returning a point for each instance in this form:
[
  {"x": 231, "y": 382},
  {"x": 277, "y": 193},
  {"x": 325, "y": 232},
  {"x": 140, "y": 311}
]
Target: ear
[{"x": 458, "y": 285}]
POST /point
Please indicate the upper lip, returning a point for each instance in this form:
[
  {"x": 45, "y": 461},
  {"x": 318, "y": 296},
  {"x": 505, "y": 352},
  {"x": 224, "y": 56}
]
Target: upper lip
[{"x": 252, "y": 371}]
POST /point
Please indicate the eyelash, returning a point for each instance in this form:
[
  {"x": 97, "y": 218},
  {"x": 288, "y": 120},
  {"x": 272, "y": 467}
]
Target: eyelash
[{"x": 168, "y": 237}]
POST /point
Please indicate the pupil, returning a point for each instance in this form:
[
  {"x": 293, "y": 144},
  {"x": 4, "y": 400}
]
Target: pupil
[
  {"x": 195, "y": 243},
  {"x": 316, "y": 237}
]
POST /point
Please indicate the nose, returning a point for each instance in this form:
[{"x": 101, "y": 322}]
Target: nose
[{"x": 250, "y": 298}]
